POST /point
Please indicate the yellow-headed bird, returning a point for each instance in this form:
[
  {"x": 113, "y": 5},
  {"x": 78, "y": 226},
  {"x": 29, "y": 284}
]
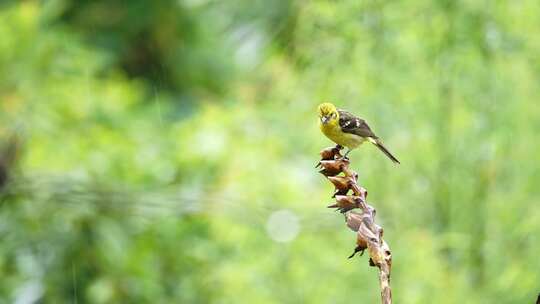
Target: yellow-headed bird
[{"x": 347, "y": 130}]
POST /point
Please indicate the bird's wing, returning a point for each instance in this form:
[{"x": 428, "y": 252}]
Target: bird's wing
[{"x": 354, "y": 125}]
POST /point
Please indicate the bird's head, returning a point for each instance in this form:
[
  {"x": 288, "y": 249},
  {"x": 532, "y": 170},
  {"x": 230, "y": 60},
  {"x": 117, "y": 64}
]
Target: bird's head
[{"x": 328, "y": 113}]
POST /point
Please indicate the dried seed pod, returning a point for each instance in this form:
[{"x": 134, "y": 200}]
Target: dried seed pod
[
  {"x": 340, "y": 182},
  {"x": 345, "y": 203},
  {"x": 331, "y": 153},
  {"x": 332, "y": 167},
  {"x": 363, "y": 193},
  {"x": 361, "y": 246},
  {"x": 353, "y": 220},
  {"x": 340, "y": 192}
]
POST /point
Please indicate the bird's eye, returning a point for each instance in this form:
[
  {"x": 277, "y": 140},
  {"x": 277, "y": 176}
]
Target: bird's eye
[{"x": 334, "y": 115}]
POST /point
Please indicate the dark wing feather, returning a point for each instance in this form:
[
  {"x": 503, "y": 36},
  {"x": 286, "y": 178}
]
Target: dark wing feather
[{"x": 354, "y": 125}]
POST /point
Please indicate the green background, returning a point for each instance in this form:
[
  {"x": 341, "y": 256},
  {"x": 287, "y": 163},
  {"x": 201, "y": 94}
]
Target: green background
[{"x": 163, "y": 151}]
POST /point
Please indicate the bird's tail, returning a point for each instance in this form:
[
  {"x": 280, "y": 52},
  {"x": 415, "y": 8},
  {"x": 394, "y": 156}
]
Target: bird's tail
[{"x": 381, "y": 147}]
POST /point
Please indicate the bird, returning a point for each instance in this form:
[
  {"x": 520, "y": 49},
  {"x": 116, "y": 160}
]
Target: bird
[{"x": 348, "y": 130}]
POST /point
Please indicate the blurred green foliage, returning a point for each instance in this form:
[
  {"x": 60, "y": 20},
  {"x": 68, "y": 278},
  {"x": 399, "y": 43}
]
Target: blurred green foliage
[{"x": 146, "y": 144}]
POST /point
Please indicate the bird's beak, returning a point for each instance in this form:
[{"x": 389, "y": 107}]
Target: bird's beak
[{"x": 324, "y": 119}]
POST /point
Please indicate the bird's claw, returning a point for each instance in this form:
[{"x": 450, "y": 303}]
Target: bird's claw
[{"x": 344, "y": 157}]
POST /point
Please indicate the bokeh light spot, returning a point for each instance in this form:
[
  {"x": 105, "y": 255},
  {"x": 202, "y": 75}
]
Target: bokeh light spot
[{"x": 283, "y": 226}]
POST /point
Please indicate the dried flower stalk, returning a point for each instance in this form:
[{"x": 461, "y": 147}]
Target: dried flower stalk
[{"x": 369, "y": 234}]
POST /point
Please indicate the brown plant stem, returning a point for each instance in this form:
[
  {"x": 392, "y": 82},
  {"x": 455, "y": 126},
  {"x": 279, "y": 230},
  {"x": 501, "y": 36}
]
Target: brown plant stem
[{"x": 369, "y": 234}]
